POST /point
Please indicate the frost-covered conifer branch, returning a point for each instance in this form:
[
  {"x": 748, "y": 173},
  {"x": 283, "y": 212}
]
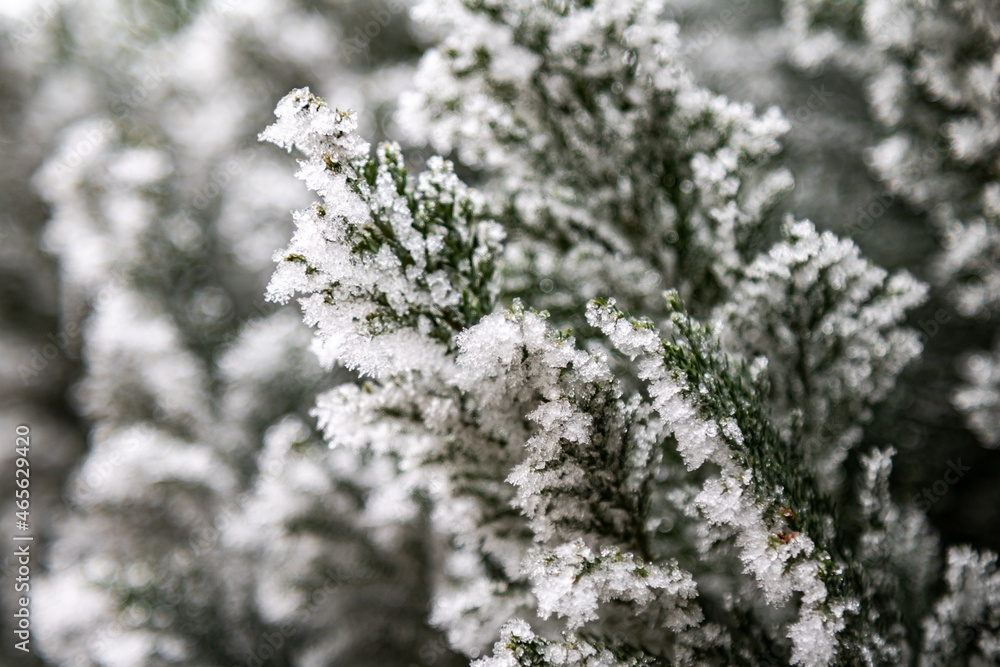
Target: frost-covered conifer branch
[
  {"x": 829, "y": 326},
  {"x": 548, "y": 471},
  {"x": 580, "y": 472},
  {"x": 506, "y": 398},
  {"x": 511, "y": 472},
  {"x": 389, "y": 262},
  {"x": 764, "y": 495},
  {"x": 900, "y": 556},
  {"x": 197, "y": 528},
  {"x": 560, "y": 99},
  {"x": 966, "y": 620},
  {"x": 979, "y": 397},
  {"x": 520, "y": 647}
]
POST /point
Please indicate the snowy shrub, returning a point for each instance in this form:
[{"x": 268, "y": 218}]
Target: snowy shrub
[
  {"x": 615, "y": 478},
  {"x": 578, "y": 389}
]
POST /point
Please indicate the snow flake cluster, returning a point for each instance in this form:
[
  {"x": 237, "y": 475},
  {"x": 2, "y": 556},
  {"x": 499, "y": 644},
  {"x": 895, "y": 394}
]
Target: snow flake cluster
[{"x": 781, "y": 560}]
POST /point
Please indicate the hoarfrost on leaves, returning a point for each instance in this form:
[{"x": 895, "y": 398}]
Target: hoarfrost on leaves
[
  {"x": 545, "y": 455},
  {"x": 599, "y": 408}
]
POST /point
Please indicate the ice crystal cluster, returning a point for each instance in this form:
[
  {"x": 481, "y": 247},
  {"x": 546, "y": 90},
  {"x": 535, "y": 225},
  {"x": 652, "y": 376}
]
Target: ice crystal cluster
[{"x": 625, "y": 389}]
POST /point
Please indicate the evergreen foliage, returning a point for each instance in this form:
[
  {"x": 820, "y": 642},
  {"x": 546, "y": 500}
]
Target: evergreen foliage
[
  {"x": 658, "y": 492},
  {"x": 578, "y": 390}
]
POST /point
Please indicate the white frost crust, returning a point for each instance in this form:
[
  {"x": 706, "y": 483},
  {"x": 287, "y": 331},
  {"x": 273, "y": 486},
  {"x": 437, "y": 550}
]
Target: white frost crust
[
  {"x": 780, "y": 566},
  {"x": 572, "y": 581}
]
